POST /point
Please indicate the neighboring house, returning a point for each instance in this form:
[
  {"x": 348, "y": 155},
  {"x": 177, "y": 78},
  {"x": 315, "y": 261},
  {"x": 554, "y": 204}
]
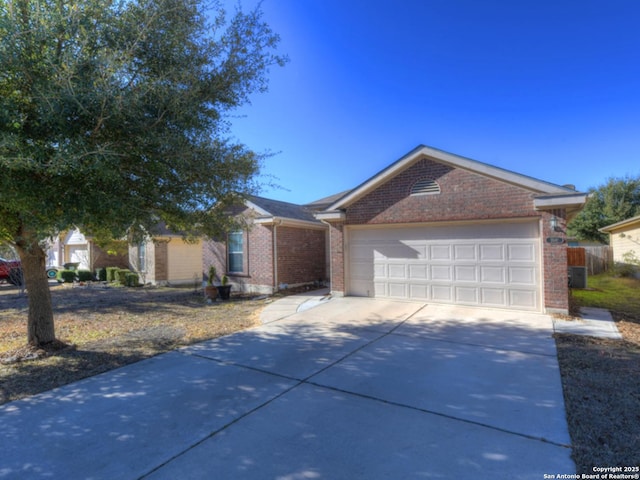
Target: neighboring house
[
  {"x": 74, "y": 247},
  {"x": 624, "y": 238},
  {"x": 437, "y": 227},
  {"x": 166, "y": 258},
  {"x": 283, "y": 245}
]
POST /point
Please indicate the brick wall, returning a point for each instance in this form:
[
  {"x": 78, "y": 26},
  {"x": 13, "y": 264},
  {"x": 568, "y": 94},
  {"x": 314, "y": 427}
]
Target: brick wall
[
  {"x": 257, "y": 260},
  {"x": 336, "y": 239},
  {"x": 301, "y": 255},
  {"x": 554, "y": 263},
  {"x": 464, "y": 196}
]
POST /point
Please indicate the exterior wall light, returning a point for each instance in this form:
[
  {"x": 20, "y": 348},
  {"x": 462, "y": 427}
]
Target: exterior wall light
[{"x": 553, "y": 223}]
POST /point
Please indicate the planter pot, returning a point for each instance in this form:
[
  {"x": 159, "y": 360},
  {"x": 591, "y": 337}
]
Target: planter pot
[
  {"x": 224, "y": 291},
  {"x": 211, "y": 292}
]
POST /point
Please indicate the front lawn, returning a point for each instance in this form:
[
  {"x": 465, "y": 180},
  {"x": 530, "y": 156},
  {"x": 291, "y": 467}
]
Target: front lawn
[
  {"x": 601, "y": 379},
  {"x": 615, "y": 294}
]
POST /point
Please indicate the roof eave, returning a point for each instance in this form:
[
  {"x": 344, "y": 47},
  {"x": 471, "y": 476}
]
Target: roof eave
[
  {"x": 331, "y": 216},
  {"x": 624, "y": 223},
  {"x": 289, "y": 222},
  {"x": 452, "y": 160}
]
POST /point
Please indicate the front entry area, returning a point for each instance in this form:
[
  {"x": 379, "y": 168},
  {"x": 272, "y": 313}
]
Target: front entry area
[{"x": 480, "y": 264}]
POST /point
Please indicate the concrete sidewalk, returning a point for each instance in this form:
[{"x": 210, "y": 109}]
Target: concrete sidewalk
[
  {"x": 595, "y": 322},
  {"x": 354, "y": 388},
  {"x": 286, "y": 306}
]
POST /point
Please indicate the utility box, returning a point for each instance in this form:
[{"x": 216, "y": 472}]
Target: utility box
[{"x": 578, "y": 277}]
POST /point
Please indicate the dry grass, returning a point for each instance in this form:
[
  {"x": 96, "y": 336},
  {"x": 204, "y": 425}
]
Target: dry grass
[{"x": 109, "y": 328}]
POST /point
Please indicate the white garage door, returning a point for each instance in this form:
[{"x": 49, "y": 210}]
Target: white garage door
[{"x": 493, "y": 265}]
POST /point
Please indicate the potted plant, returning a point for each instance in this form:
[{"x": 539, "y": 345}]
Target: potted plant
[
  {"x": 211, "y": 291},
  {"x": 225, "y": 289}
]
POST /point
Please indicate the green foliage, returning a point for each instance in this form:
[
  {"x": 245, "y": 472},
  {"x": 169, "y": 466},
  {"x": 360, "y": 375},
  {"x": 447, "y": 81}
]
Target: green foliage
[
  {"x": 101, "y": 274},
  {"x": 111, "y": 274},
  {"x": 629, "y": 267},
  {"x": 132, "y": 279},
  {"x": 123, "y": 106},
  {"x": 66, "y": 276},
  {"x": 121, "y": 275},
  {"x": 613, "y": 293},
  {"x": 84, "y": 276},
  {"x": 616, "y": 200}
]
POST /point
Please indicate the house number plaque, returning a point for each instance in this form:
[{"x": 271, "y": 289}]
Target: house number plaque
[{"x": 555, "y": 240}]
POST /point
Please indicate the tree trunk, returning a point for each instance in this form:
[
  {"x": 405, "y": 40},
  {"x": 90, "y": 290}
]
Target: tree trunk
[{"x": 40, "y": 328}]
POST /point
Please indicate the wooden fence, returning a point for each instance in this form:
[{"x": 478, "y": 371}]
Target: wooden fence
[{"x": 597, "y": 259}]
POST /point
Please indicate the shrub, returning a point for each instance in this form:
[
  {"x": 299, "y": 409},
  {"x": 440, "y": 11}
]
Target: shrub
[
  {"x": 132, "y": 279},
  {"x": 111, "y": 274},
  {"x": 85, "y": 276},
  {"x": 121, "y": 275},
  {"x": 101, "y": 274},
  {"x": 66, "y": 276}
]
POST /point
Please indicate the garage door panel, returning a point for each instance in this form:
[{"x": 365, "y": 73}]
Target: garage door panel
[
  {"x": 494, "y": 297},
  {"x": 441, "y": 293},
  {"x": 466, "y": 295},
  {"x": 397, "y": 290},
  {"x": 521, "y": 253},
  {"x": 464, "y": 252},
  {"x": 440, "y": 253},
  {"x": 522, "y": 276},
  {"x": 492, "y": 253},
  {"x": 419, "y": 291},
  {"x": 491, "y": 264},
  {"x": 418, "y": 272},
  {"x": 397, "y": 271},
  {"x": 522, "y": 299},
  {"x": 441, "y": 273},
  {"x": 465, "y": 273},
  {"x": 491, "y": 274}
]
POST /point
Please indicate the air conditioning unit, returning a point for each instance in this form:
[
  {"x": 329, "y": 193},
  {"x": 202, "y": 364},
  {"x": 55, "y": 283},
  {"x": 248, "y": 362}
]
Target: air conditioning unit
[{"x": 578, "y": 277}]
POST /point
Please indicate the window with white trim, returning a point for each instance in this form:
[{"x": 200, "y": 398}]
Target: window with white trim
[{"x": 235, "y": 252}]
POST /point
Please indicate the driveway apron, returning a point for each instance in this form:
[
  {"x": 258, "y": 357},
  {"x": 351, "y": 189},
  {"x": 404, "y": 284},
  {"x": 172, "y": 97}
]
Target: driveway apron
[{"x": 352, "y": 389}]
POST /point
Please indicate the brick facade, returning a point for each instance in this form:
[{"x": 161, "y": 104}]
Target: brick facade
[
  {"x": 301, "y": 257},
  {"x": 465, "y": 196}
]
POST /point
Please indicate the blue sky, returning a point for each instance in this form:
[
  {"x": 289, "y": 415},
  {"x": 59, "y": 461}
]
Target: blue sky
[{"x": 546, "y": 88}]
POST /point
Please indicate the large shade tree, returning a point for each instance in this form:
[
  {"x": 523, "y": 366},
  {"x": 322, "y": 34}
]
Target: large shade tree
[
  {"x": 114, "y": 115},
  {"x": 616, "y": 200}
]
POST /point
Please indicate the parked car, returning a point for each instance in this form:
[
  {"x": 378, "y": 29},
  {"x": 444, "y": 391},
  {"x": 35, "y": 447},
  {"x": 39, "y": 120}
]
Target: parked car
[{"x": 11, "y": 271}]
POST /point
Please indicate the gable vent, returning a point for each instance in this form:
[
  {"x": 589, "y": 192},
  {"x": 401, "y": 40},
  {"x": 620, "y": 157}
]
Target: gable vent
[{"x": 426, "y": 186}]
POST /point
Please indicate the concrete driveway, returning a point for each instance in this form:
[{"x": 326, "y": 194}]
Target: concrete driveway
[{"x": 352, "y": 389}]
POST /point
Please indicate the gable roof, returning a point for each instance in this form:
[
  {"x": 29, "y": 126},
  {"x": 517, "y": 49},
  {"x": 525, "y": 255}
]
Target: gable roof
[
  {"x": 629, "y": 222},
  {"x": 276, "y": 212},
  {"x": 323, "y": 203},
  {"x": 551, "y": 195}
]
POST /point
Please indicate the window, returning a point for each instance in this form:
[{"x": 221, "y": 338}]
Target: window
[
  {"x": 425, "y": 186},
  {"x": 235, "y": 249},
  {"x": 142, "y": 257}
]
